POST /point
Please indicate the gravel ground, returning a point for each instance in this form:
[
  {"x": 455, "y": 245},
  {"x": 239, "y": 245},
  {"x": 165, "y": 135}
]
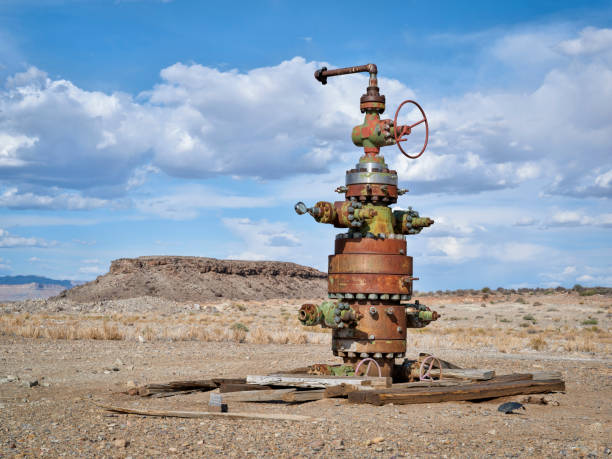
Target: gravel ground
[{"x": 57, "y": 418}]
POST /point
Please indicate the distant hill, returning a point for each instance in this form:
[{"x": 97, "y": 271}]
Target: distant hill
[
  {"x": 17, "y": 288},
  {"x": 31, "y": 279}
]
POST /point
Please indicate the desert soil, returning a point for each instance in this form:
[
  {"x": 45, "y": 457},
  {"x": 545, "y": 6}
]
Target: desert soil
[{"x": 154, "y": 341}]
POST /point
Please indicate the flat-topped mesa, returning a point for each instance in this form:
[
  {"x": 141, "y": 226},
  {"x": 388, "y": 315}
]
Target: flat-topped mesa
[
  {"x": 370, "y": 275},
  {"x": 213, "y": 265},
  {"x": 198, "y": 280}
]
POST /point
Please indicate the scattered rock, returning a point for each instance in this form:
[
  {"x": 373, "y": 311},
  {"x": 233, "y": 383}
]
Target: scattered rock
[
  {"x": 317, "y": 445},
  {"x": 118, "y": 363},
  {"x": 338, "y": 444},
  {"x": 492, "y": 432},
  {"x": 540, "y": 400},
  {"x": 121, "y": 443},
  {"x": 375, "y": 440},
  {"x": 30, "y": 383},
  {"x": 510, "y": 407}
]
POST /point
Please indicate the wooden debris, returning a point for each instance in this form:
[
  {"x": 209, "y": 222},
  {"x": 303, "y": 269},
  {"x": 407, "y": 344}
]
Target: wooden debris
[
  {"x": 269, "y": 395},
  {"x": 513, "y": 377},
  {"x": 546, "y": 375},
  {"x": 206, "y": 414},
  {"x": 304, "y": 396},
  {"x": 180, "y": 386},
  {"x": 465, "y": 373},
  {"x": 318, "y": 382},
  {"x": 237, "y": 387},
  {"x": 341, "y": 390},
  {"x": 436, "y": 383},
  {"x": 473, "y": 391}
]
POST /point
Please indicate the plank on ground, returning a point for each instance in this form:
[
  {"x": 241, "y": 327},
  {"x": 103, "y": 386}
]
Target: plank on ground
[
  {"x": 304, "y": 396},
  {"x": 455, "y": 393},
  {"x": 237, "y": 387},
  {"x": 339, "y": 391},
  {"x": 174, "y": 386},
  {"x": 205, "y": 414},
  {"x": 269, "y": 395},
  {"x": 318, "y": 382},
  {"x": 466, "y": 373}
]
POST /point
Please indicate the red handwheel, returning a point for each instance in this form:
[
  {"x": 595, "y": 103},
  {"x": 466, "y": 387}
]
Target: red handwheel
[{"x": 408, "y": 129}]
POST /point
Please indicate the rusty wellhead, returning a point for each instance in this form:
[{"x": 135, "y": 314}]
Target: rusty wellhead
[{"x": 370, "y": 274}]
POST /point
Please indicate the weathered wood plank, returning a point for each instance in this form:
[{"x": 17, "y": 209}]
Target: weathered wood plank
[
  {"x": 437, "y": 383},
  {"x": 304, "y": 396},
  {"x": 455, "y": 393},
  {"x": 512, "y": 377},
  {"x": 466, "y": 373},
  {"x": 318, "y": 382},
  {"x": 546, "y": 375},
  {"x": 206, "y": 414},
  {"x": 175, "y": 386},
  {"x": 256, "y": 395},
  {"x": 340, "y": 391},
  {"x": 231, "y": 387}
]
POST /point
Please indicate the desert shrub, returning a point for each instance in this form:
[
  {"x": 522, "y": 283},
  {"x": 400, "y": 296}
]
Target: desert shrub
[
  {"x": 521, "y": 300},
  {"x": 529, "y": 317},
  {"x": 590, "y": 321},
  {"x": 504, "y": 320},
  {"x": 537, "y": 303},
  {"x": 537, "y": 343},
  {"x": 239, "y": 326},
  {"x": 239, "y": 335},
  {"x": 486, "y": 290}
]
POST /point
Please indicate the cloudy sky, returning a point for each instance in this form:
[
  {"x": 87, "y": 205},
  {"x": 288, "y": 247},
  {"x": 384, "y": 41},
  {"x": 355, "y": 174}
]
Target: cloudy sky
[{"x": 133, "y": 128}]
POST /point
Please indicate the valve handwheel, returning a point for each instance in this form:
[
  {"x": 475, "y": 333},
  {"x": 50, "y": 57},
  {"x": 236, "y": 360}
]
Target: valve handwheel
[
  {"x": 427, "y": 365},
  {"x": 408, "y": 129}
]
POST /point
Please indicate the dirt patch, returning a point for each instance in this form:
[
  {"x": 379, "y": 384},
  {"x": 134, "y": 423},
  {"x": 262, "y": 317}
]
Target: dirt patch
[{"x": 199, "y": 279}]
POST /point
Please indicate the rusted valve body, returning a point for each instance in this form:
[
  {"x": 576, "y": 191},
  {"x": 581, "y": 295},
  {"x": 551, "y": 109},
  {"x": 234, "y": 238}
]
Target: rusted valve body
[{"x": 370, "y": 275}]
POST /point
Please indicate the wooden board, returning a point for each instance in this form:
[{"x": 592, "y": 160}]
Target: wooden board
[
  {"x": 256, "y": 395},
  {"x": 318, "y": 382},
  {"x": 304, "y": 396},
  {"x": 176, "y": 386},
  {"x": 465, "y": 373},
  {"x": 340, "y": 391},
  {"x": 237, "y": 387},
  {"x": 546, "y": 375},
  {"x": 514, "y": 377},
  {"x": 205, "y": 414},
  {"x": 436, "y": 383},
  {"x": 473, "y": 391}
]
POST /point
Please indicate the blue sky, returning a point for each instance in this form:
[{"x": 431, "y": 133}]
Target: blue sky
[{"x": 133, "y": 128}]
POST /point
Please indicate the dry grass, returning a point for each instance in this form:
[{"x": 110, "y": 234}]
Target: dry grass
[
  {"x": 496, "y": 328},
  {"x": 26, "y": 326}
]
